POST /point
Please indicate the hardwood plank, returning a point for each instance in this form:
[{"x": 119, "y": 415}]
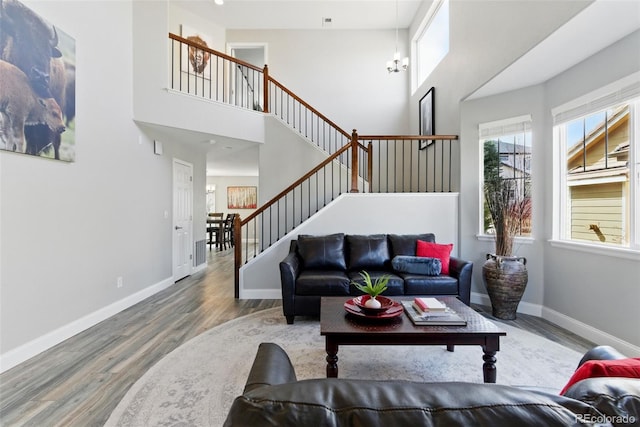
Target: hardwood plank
[{"x": 80, "y": 381}]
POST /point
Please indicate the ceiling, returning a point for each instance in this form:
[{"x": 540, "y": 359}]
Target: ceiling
[
  {"x": 599, "y": 25},
  {"x": 305, "y": 14}
]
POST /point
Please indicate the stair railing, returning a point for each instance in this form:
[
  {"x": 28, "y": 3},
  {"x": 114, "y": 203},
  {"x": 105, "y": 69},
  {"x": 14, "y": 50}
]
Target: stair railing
[{"x": 368, "y": 163}]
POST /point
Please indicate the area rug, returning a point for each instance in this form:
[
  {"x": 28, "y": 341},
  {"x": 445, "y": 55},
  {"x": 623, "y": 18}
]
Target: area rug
[{"x": 196, "y": 383}]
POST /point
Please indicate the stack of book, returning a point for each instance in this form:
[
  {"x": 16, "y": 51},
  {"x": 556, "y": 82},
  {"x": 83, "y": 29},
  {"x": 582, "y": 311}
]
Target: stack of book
[{"x": 431, "y": 312}]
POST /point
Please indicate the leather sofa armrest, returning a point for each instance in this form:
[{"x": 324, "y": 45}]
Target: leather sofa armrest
[
  {"x": 270, "y": 367},
  {"x": 290, "y": 268},
  {"x": 602, "y": 352},
  {"x": 462, "y": 270},
  {"x": 613, "y": 397}
]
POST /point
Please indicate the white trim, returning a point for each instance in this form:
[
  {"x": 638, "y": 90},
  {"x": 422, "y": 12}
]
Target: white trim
[
  {"x": 598, "y": 249},
  {"x": 589, "y": 332},
  {"x": 34, "y": 347},
  {"x": 260, "y": 294},
  {"x": 592, "y": 181},
  {"x": 575, "y": 326}
]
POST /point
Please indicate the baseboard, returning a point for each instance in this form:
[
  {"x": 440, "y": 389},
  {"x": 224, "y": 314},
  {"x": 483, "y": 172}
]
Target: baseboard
[
  {"x": 590, "y": 333},
  {"x": 26, "y": 351},
  {"x": 579, "y": 328},
  {"x": 260, "y": 294},
  {"x": 199, "y": 268},
  {"x": 524, "y": 307}
]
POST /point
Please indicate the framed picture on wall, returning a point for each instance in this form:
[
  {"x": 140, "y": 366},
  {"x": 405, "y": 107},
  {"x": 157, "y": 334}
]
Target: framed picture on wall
[
  {"x": 427, "y": 117},
  {"x": 242, "y": 197}
]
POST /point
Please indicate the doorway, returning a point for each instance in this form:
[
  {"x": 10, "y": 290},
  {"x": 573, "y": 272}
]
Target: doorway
[
  {"x": 182, "y": 219},
  {"x": 247, "y": 85}
]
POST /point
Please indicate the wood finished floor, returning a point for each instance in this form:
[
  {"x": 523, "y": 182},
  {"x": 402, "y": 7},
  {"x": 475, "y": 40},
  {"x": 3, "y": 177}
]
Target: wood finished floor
[{"x": 80, "y": 381}]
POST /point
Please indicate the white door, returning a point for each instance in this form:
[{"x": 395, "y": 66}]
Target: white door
[{"x": 182, "y": 219}]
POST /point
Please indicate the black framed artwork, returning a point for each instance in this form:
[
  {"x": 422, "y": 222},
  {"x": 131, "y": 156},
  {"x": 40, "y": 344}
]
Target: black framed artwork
[{"x": 427, "y": 117}]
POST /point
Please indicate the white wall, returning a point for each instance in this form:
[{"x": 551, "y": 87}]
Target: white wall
[
  {"x": 68, "y": 230},
  {"x": 340, "y": 73},
  {"x": 401, "y": 213}
]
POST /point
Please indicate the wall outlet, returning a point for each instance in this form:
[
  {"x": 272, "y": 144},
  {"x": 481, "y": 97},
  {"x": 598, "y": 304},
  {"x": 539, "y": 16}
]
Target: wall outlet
[{"x": 119, "y": 281}]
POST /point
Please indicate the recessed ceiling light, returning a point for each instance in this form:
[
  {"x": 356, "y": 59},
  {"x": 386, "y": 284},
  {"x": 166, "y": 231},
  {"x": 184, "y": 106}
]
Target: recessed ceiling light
[{"x": 219, "y": 2}]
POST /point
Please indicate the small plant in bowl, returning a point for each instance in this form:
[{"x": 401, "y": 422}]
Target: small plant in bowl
[{"x": 373, "y": 289}]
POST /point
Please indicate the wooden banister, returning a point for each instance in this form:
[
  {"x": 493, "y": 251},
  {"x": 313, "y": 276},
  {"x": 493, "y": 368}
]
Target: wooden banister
[
  {"x": 306, "y": 176},
  {"x": 309, "y": 107},
  {"x": 237, "y": 254},
  {"x": 410, "y": 137},
  {"x": 213, "y": 52}
]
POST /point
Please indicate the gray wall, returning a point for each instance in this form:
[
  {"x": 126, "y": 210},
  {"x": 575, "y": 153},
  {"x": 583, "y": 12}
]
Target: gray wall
[
  {"x": 68, "y": 230},
  {"x": 568, "y": 284}
]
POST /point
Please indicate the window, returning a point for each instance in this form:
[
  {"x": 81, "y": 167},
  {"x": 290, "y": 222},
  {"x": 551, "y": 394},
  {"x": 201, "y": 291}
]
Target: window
[
  {"x": 598, "y": 201},
  {"x": 597, "y": 167},
  {"x": 432, "y": 43},
  {"x": 507, "y": 157}
]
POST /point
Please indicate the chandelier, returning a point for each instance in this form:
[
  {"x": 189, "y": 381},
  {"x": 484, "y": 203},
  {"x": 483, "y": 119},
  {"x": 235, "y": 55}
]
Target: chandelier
[{"x": 397, "y": 64}]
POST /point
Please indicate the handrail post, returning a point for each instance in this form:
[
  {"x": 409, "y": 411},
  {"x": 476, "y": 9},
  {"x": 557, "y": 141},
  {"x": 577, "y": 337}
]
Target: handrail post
[
  {"x": 354, "y": 162},
  {"x": 370, "y": 164},
  {"x": 237, "y": 253},
  {"x": 265, "y": 88}
]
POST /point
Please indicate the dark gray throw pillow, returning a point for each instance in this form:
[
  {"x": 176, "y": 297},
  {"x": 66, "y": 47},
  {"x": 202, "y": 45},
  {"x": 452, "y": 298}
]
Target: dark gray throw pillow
[
  {"x": 417, "y": 265},
  {"x": 322, "y": 252}
]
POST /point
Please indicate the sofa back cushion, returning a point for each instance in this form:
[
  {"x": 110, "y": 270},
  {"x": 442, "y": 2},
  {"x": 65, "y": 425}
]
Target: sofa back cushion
[
  {"x": 405, "y": 244},
  {"x": 368, "y": 252},
  {"x": 344, "y": 402},
  {"x": 322, "y": 252}
]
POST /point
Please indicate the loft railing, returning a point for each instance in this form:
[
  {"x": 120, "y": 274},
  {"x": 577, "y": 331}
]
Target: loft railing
[
  {"x": 369, "y": 163},
  {"x": 412, "y": 164},
  {"x": 209, "y": 74}
]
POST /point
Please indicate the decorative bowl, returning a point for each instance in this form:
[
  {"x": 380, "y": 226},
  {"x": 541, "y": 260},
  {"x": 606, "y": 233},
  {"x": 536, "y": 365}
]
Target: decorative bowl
[{"x": 385, "y": 304}]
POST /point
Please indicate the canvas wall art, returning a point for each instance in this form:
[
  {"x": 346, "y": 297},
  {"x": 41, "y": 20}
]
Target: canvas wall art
[
  {"x": 38, "y": 81},
  {"x": 242, "y": 197},
  {"x": 196, "y": 61}
]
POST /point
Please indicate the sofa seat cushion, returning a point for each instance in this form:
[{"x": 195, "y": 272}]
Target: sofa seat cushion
[
  {"x": 323, "y": 282},
  {"x": 395, "y": 286},
  {"x": 322, "y": 252},
  {"x": 419, "y": 284},
  {"x": 368, "y": 252},
  {"x": 417, "y": 265},
  {"x": 405, "y": 244}
]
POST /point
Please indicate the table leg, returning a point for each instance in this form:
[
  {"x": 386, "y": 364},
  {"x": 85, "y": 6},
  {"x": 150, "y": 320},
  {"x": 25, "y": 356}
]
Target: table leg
[
  {"x": 489, "y": 367},
  {"x": 450, "y": 347},
  {"x": 332, "y": 359}
]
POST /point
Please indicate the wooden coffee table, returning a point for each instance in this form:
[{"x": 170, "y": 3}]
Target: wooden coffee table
[{"x": 341, "y": 328}]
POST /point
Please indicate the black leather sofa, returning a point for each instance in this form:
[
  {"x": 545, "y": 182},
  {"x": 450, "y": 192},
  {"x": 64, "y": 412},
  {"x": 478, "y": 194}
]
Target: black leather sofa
[
  {"x": 318, "y": 266},
  {"x": 274, "y": 397}
]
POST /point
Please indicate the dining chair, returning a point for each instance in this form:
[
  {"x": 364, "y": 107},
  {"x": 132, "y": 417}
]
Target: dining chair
[{"x": 227, "y": 231}]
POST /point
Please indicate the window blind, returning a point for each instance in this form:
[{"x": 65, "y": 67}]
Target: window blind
[
  {"x": 615, "y": 93},
  {"x": 509, "y": 126}
]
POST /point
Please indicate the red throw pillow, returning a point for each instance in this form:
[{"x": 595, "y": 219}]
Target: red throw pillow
[
  {"x": 435, "y": 250},
  {"x": 626, "y": 368}
]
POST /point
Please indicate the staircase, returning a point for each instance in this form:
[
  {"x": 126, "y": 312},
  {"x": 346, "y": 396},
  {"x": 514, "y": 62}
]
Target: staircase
[{"x": 354, "y": 163}]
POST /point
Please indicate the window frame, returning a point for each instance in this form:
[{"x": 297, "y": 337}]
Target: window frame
[
  {"x": 624, "y": 91},
  {"x": 495, "y": 130},
  {"x": 431, "y": 15}
]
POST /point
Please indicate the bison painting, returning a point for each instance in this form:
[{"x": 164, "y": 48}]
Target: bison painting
[
  {"x": 37, "y": 84},
  {"x": 20, "y": 106},
  {"x": 28, "y": 42}
]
